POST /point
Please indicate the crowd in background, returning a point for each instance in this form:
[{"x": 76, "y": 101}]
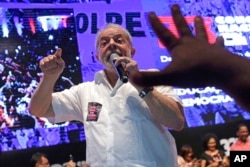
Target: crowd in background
[
  {"x": 20, "y": 52},
  {"x": 213, "y": 154}
]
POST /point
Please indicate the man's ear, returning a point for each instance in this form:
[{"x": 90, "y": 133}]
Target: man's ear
[
  {"x": 132, "y": 52},
  {"x": 96, "y": 56}
]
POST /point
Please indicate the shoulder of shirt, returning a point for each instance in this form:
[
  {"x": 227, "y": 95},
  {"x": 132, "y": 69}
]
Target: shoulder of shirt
[
  {"x": 98, "y": 77},
  {"x": 81, "y": 84}
]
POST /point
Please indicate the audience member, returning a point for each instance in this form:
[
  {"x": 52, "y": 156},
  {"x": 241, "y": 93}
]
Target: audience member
[
  {"x": 212, "y": 156},
  {"x": 39, "y": 160},
  {"x": 186, "y": 157},
  {"x": 5, "y": 120},
  {"x": 196, "y": 63},
  {"x": 243, "y": 142},
  {"x": 116, "y": 115}
]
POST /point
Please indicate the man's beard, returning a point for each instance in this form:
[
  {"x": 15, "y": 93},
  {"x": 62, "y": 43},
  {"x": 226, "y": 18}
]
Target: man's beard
[
  {"x": 107, "y": 63},
  {"x": 109, "y": 52}
]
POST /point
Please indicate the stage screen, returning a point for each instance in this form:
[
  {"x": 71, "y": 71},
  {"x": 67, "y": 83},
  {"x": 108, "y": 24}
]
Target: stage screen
[
  {"x": 33, "y": 31},
  {"x": 227, "y": 18},
  {"x": 26, "y": 36}
]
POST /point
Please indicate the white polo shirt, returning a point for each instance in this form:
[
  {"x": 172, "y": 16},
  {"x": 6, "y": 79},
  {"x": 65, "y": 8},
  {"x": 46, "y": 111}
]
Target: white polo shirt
[{"x": 119, "y": 129}]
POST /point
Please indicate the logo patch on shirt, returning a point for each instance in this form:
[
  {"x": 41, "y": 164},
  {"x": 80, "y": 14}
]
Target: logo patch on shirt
[{"x": 94, "y": 109}]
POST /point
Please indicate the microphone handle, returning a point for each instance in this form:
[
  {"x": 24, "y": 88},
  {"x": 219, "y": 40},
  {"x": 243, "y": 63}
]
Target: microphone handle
[{"x": 121, "y": 73}]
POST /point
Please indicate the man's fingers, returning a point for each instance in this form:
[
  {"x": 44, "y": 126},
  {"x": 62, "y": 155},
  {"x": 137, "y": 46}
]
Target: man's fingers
[
  {"x": 219, "y": 41},
  {"x": 166, "y": 37},
  {"x": 58, "y": 53},
  {"x": 180, "y": 22},
  {"x": 200, "y": 29}
]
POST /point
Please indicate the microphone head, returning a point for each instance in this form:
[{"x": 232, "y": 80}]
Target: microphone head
[
  {"x": 119, "y": 69},
  {"x": 113, "y": 57}
]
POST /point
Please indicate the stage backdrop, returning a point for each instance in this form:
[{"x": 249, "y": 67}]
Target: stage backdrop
[{"x": 30, "y": 31}]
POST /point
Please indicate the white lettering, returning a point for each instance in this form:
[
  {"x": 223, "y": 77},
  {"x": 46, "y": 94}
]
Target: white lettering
[
  {"x": 226, "y": 143},
  {"x": 193, "y": 91},
  {"x": 240, "y": 158},
  {"x": 219, "y": 20},
  {"x": 234, "y": 39},
  {"x": 232, "y": 19},
  {"x": 215, "y": 99},
  {"x": 243, "y": 157},
  {"x": 227, "y": 28},
  {"x": 237, "y": 158},
  {"x": 165, "y": 59},
  {"x": 233, "y": 29}
]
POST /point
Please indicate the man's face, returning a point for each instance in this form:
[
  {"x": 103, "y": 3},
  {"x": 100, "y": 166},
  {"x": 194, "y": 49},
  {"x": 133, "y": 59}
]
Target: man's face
[
  {"x": 243, "y": 133},
  {"x": 44, "y": 162},
  {"x": 112, "y": 40},
  {"x": 212, "y": 145}
]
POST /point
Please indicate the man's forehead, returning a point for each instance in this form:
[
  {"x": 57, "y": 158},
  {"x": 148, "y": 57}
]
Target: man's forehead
[
  {"x": 105, "y": 37},
  {"x": 243, "y": 128},
  {"x": 44, "y": 159},
  {"x": 110, "y": 32}
]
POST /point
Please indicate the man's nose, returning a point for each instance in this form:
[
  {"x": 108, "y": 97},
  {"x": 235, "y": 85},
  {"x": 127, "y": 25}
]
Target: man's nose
[{"x": 112, "y": 44}]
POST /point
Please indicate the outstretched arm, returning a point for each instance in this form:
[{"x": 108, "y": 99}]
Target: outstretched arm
[
  {"x": 196, "y": 63},
  {"x": 52, "y": 66}
]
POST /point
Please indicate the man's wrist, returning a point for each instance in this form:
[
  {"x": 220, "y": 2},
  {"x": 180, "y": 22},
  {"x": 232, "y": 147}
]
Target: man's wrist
[{"x": 145, "y": 91}]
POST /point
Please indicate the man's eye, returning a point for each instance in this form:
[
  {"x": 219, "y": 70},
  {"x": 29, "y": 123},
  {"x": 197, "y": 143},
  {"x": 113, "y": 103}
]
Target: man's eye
[
  {"x": 120, "y": 40},
  {"x": 103, "y": 43}
]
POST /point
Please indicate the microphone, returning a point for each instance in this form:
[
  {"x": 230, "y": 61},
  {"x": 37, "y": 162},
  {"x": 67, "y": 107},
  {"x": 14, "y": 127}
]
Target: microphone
[{"x": 119, "y": 69}]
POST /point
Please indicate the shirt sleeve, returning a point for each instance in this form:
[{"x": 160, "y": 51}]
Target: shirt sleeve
[
  {"x": 170, "y": 92},
  {"x": 66, "y": 105}
]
